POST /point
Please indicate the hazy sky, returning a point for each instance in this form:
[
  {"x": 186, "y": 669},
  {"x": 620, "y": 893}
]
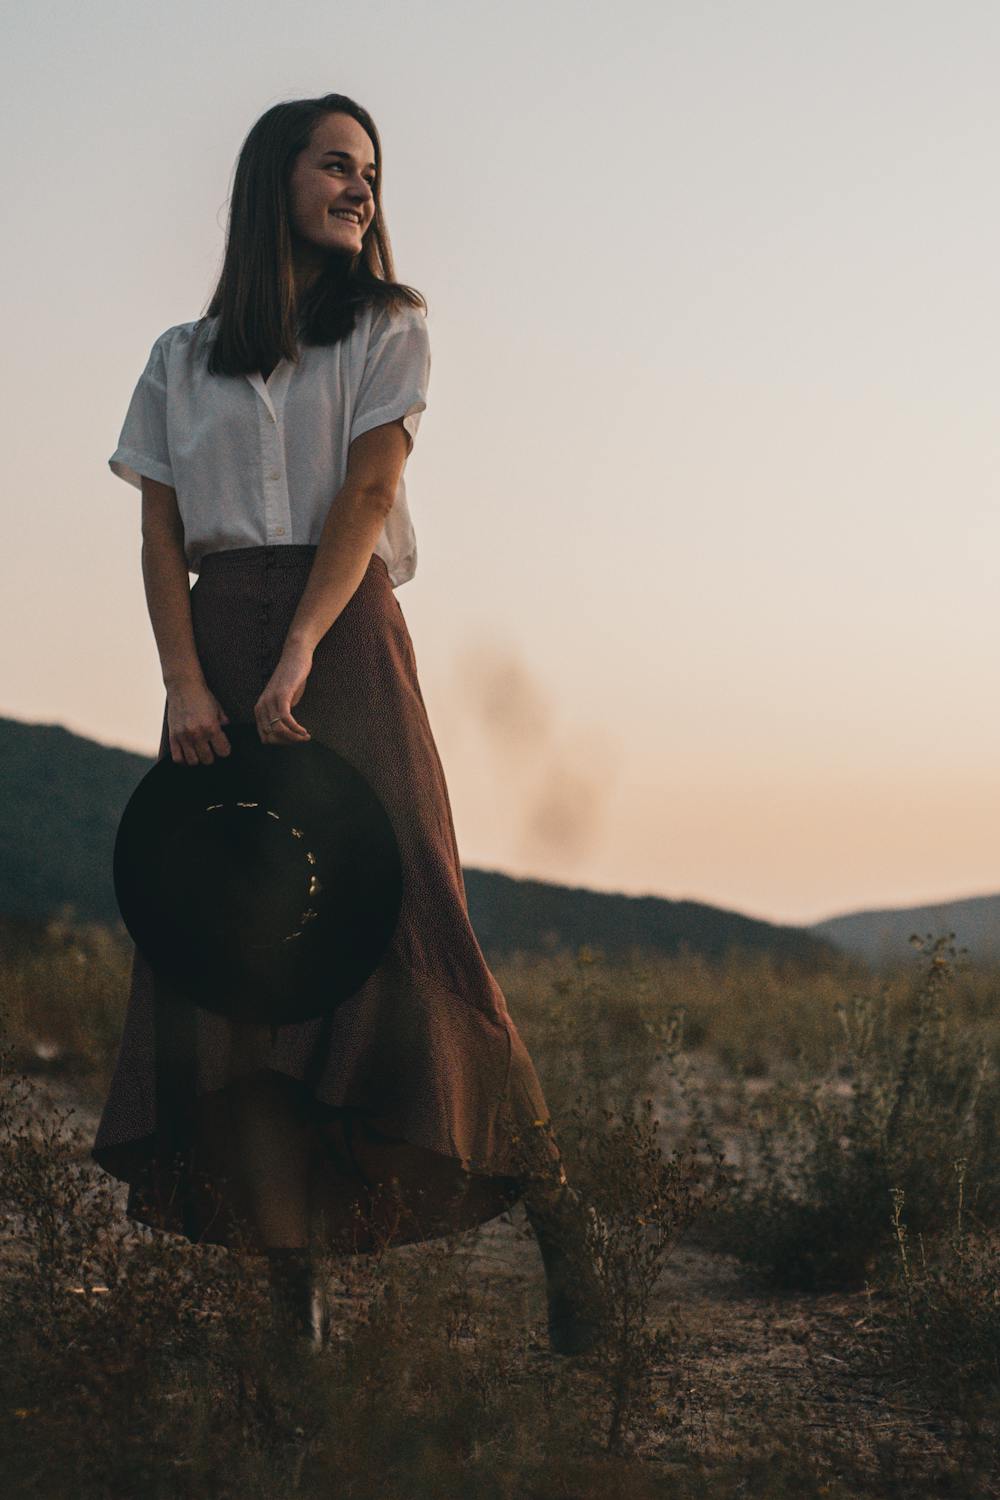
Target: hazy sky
[{"x": 706, "y": 493}]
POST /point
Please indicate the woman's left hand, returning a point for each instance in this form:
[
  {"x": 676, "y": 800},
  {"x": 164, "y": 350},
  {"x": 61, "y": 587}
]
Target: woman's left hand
[{"x": 284, "y": 689}]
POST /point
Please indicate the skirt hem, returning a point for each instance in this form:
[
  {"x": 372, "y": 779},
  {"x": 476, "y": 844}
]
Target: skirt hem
[{"x": 180, "y": 1197}]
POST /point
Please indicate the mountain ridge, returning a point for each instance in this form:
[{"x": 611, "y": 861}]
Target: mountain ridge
[
  {"x": 65, "y": 794},
  {"x": 881, "y": 936}
]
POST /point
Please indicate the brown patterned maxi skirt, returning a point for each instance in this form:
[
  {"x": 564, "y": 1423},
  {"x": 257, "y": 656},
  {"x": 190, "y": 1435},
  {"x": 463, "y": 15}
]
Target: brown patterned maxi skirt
[{"x": 417, "y": 1102}]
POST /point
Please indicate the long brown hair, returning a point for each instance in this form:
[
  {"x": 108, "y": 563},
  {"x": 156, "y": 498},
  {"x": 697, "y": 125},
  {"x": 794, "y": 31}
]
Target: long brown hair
[{"x": 260, "y": 319}]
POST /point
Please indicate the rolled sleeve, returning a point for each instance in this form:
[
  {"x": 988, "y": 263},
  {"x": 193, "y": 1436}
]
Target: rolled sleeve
[
  {"x": 396, "y": 374},
  {"x": 142, "y": 443}
]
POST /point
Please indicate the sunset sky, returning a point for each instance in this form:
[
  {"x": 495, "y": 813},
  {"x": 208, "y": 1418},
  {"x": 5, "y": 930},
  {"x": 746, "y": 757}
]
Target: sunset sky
[{"x": 706, "y": 493}]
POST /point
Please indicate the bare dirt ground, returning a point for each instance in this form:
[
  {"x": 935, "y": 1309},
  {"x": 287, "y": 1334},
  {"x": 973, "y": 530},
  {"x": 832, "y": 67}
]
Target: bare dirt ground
[{"x": 752, "y": 1363}]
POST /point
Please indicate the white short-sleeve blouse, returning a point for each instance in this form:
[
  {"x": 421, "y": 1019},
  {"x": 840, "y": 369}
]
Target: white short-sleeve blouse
[{"x": 258, "y": 463}]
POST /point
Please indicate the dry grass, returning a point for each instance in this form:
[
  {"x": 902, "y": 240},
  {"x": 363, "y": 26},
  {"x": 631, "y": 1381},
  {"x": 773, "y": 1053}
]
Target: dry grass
[{"x": 799, "y": 1283}]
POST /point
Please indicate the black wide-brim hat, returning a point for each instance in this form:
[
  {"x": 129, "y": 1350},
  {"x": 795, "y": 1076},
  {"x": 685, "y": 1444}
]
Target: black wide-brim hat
[{"x": 267, "y": 885}]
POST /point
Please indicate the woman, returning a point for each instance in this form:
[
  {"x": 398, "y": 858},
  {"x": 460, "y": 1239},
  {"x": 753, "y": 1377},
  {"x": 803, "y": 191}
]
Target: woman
[{"x": 414, "y": 1107}]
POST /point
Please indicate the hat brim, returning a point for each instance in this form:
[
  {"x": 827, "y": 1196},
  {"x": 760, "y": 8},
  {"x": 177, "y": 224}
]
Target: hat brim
[{"x": 267, "y": 885}]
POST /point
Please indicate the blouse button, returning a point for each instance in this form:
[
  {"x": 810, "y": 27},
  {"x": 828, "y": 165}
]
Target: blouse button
[
  {"x": 279, "y": 531},
  {"x": 273, "y": 474}
]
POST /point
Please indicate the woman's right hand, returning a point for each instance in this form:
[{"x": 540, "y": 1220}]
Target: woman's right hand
[{"x": 194, "y": 724}]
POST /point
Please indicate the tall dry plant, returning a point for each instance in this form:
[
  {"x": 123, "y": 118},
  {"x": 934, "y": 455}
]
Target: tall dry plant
[{"x": 638, "y": 1205}]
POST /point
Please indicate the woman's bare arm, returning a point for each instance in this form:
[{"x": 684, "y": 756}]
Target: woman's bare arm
[
  {"x": 353, "y": 525},
  {"x": 194, "y": 715},
  {"x": 165, "y": 575}
]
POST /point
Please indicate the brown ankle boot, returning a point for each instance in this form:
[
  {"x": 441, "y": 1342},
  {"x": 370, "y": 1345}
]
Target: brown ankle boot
[
  {"x": 573, "y": 1286},
  {"x": 297, "y": 1306}
]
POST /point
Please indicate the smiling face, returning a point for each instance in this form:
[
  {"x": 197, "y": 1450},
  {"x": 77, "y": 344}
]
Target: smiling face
[{"x": 331, "y": 190}]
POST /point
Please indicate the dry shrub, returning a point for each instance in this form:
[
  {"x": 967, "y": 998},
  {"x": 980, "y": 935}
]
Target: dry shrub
[
  {"x": 639, "y": 1205},
  {"x": 810, "y": 1209},
  {"x": 933, "y": 1326}
]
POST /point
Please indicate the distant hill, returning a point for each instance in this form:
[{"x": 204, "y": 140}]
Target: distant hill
[
  {"x": 64, "y": 796},
  {"x": 537, "y": 916},
  {"x": 881, "y": 937}
]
